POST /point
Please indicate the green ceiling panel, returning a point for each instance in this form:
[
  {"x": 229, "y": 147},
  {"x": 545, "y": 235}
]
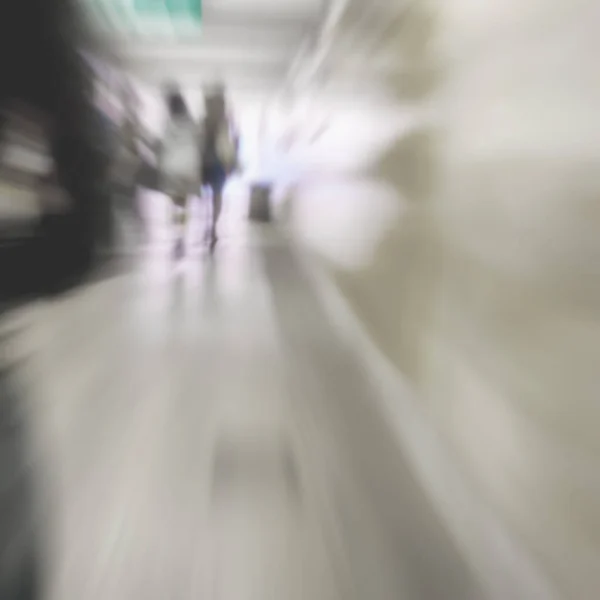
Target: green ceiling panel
[
  {"x": 176, "y": 9},
  {"x": 148, "y": 17}
]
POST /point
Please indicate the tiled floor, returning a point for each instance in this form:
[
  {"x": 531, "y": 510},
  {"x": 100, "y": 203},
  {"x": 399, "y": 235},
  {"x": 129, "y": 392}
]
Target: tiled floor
[{"x": 203, "y": 433}]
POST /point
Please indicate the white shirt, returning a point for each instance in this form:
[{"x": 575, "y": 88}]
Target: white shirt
[{"x": 180, "y": 155}]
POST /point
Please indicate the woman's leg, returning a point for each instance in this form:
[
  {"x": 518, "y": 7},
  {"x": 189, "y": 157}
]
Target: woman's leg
[
  {"x": 206, "y": 201},
  {"x": 217, "y": 184},
  {"x": 217, "y": 204},
  {"x": 179, "y": 220}
]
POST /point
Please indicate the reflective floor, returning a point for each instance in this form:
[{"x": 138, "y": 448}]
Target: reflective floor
[{"x": 202, "y": 431}]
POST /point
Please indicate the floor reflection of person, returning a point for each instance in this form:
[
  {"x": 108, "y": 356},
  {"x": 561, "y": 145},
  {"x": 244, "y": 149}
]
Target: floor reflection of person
[{"x": 219, "y": 153}]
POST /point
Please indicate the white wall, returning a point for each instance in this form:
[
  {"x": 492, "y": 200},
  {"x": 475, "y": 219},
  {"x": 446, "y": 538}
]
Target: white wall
[
  {"x": 483, "y": 287},
  {"x": 517, "y": 315}
]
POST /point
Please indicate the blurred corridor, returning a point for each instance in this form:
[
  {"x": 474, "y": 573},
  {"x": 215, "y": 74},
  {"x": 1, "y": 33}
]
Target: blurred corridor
[
  {"x": 208, "y": 433},
  {"x": 387, "y": 391}
]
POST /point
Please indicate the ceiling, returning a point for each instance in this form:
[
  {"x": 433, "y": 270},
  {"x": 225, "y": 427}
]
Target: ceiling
[
  {"x": 250, "y": 45},
  {"x": 362, "y": 46}
]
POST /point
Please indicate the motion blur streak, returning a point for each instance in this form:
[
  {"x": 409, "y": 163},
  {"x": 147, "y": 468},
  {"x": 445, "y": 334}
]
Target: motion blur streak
[{"x": 386, "y": 391}]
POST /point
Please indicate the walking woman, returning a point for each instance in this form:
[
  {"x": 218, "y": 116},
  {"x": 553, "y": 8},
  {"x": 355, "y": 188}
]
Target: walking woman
[
  {"x": 220, "y": 148},
  {"x": 179, "y": 163}
]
